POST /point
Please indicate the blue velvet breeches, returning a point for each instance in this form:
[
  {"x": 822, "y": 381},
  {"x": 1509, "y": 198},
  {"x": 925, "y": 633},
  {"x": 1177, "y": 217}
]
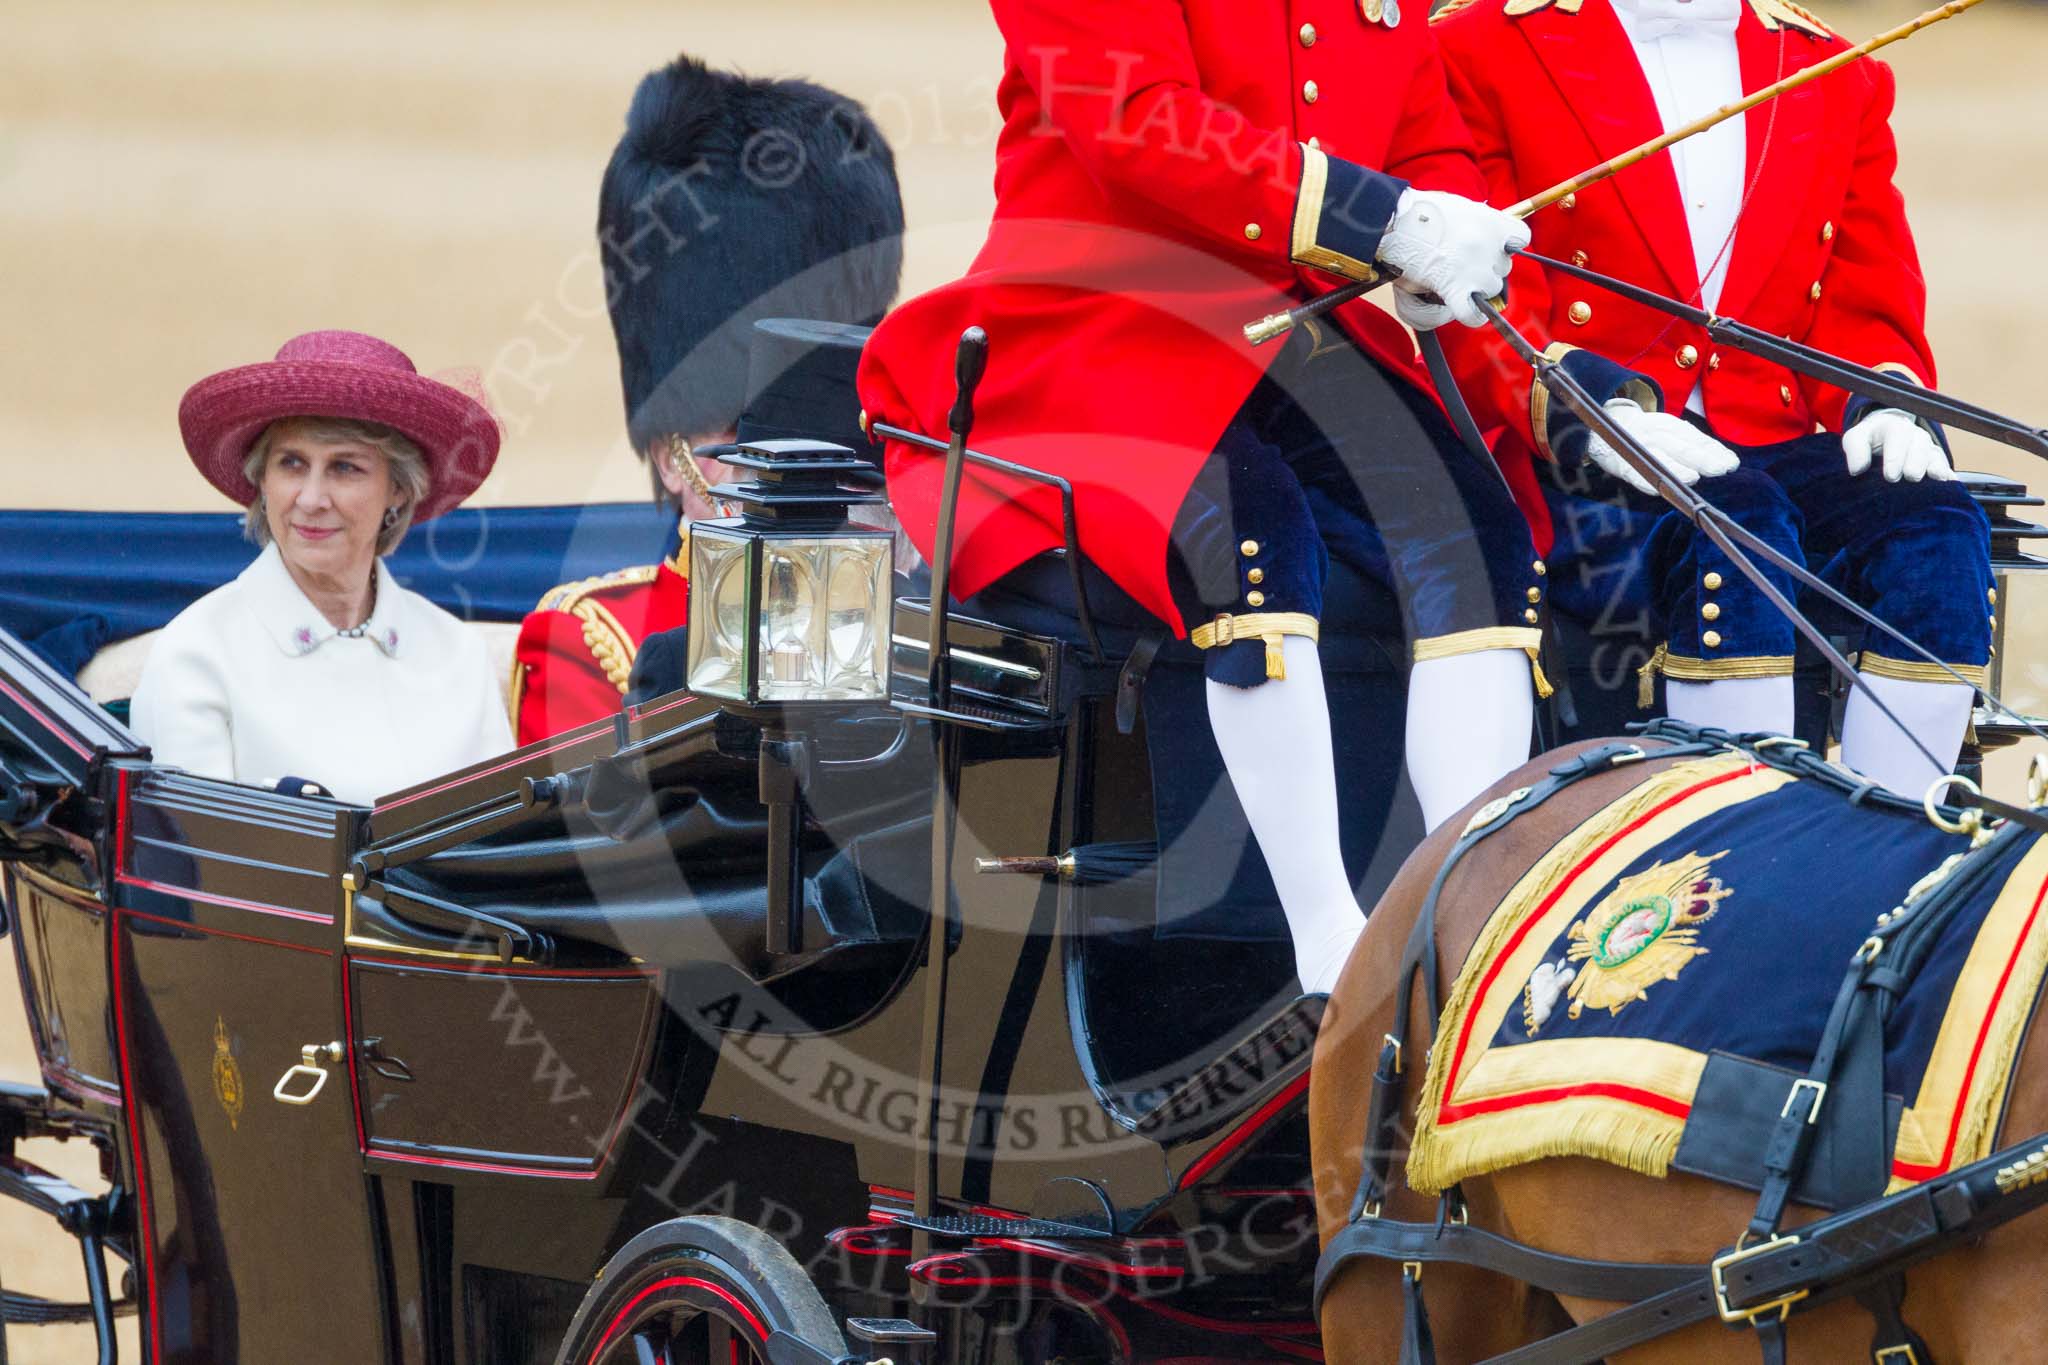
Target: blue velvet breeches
[{"x": 1331, "y": 456}]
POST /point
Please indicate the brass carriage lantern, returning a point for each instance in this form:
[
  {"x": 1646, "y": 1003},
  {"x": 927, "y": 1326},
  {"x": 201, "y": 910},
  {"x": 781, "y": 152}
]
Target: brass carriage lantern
[{"x": 790, "y": 601}]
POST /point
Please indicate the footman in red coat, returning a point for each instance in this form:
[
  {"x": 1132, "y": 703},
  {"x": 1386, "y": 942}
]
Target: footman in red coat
[
  {"x": 1786, "y": 219},
  {"x": 1169, "y": 170}
]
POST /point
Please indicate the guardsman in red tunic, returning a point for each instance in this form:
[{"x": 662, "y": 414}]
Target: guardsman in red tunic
[
  {"x": 1167, "y": 171},
  {"x": 1786, "y": 219},
  {"x": 702, "y": 237}
]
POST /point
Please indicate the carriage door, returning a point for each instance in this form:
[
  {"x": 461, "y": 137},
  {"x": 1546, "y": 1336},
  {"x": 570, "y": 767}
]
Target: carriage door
[{"x": 257, "y": 1244}]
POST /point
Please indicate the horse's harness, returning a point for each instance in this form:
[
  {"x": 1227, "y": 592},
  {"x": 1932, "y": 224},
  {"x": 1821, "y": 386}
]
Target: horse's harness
[{"x": 1768, "y": 1275}]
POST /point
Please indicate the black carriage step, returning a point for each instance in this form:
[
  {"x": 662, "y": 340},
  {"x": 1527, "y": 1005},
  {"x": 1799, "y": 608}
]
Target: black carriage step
[
  {"x": 890, "y": 1331},
  {"x": 977, "y": 1225},
  {"x": 40, "y": 1190},
  {"x": 28, "y": 1310}
]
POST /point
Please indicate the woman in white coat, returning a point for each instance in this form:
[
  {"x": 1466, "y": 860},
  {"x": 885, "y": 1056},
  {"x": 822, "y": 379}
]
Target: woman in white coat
[{"x": 314, "y": 666}]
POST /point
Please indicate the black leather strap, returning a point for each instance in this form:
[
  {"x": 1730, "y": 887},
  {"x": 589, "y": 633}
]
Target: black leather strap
[
  {"x": 1446, "y": 381},
  {"x": 1418, "y": 1345},
  {"x": 1461, "y": 1244},
  {"x": 1893, "y": 1343},
  {"x": 1130, "y": 680}
]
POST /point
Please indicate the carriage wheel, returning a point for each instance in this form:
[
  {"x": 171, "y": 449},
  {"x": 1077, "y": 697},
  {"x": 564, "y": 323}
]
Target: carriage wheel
[{"x": 698, "y": 1291}]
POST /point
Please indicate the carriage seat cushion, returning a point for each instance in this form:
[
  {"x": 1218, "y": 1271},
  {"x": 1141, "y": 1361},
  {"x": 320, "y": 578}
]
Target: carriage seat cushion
[{"x": 1690, "y": 923}]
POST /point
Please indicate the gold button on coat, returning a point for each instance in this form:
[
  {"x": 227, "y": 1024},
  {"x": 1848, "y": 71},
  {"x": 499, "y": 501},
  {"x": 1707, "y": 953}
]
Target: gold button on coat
[
  {"x": 1308, "y": 35},
  {"x": 1991, "y": 594},
  {"x": 1535, "y": 595},
  {"x": 1714, "y": 361},
  {"x": 1569, "y": 202},
  {"x": 1827, "y": 232},
  {"x": 1712, "y": 582},
  {"x": 1252, "y": 232},
  {"x": 1310, "y": 91},
  {"x": 1256, "y": 576},
  {"x": 1712, "y": 639},
  {"x": 1541, "y": 568},
  {"x": 1530, "y": 616},
  {"x": 1711, "y": 611},
  {"x": 1248, "y": 548},
  {"x": 1316, "y": 143},
  {"x": 1257, "y": 599},
  {"x": 1688, "y": 356},
  {"x": 1814, "y": 293},
  {"x": 1580, "y": 313},
  {"x": 1580, "y": 258},
  {"x": 1785, "y": 394}
]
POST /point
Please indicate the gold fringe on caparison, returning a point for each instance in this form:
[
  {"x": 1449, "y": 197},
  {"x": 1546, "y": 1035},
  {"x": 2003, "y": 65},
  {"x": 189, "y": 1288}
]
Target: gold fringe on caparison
[
  {"x": 1614, "y": 1131},
  {"x": 1438, "y": 1160},
  {"x": 1983, "y": 1110}
]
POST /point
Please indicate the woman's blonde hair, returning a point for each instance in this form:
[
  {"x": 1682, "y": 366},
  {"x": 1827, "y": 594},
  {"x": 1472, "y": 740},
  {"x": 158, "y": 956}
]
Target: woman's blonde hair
[{"x": 408, "y": 470}]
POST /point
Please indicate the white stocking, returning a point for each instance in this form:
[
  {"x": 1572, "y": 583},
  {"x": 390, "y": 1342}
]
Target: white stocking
[
  {"x": 1469, "y": 721},
  {"x": 1938, "y": 713},
  {"x": 1741, "y": 706},
  {"x": 1276, "y": 746}
]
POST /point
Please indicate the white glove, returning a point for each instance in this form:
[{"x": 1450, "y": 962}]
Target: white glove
[
  {"x": 1452, "y": 247},
  {"x": 1910, "y": 453},
  {"x": 1686, "y": 453}
]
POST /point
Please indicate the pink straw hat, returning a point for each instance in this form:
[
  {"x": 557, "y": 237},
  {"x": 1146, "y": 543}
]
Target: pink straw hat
[{"x": 348, "y": 375}]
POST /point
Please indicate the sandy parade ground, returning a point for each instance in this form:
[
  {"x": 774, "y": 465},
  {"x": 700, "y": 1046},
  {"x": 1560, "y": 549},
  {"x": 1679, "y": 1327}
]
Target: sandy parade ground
[{"x": 182, "y": 187}]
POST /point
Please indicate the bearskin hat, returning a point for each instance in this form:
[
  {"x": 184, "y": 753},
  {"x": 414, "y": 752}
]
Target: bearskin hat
[{"x": 731, "y": 199}]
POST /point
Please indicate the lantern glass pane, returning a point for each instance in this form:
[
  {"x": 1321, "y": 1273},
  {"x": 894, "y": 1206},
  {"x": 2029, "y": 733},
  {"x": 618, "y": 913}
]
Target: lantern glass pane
[
  {"x": 718, "y": 613},
  {"x": 825, "y": 619}
]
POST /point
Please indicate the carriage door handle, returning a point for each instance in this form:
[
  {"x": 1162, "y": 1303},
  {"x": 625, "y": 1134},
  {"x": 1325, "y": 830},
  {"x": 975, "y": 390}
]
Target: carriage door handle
[
  {"x": 309, "y": 1073},
  {"x": 384, "y": 1064}
]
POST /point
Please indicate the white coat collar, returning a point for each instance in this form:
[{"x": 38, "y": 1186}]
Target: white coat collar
[{"x": 296, "y": 625}]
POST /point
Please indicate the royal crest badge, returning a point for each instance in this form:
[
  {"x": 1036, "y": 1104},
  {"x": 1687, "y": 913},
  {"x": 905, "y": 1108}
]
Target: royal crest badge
[
  {"x": 1644, "y": 931},
  {"x": 227, "y": 1075}
]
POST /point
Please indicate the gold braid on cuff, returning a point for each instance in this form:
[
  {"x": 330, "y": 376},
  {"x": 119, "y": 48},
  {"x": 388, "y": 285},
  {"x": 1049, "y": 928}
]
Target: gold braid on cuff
[
  {"x": 1528, "y": 639},
  {"x": 1687, "y": 669},
  {"x": 1270, "y": 626},
  {"x": 1910, "y": 670}
]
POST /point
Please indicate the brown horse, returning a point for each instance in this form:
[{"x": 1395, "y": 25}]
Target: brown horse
[{"x": 1978, "y": 1304}]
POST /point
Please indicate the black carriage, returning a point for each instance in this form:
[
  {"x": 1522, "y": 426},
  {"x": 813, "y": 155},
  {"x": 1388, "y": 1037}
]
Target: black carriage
[{"x": 654, "y": 1042}]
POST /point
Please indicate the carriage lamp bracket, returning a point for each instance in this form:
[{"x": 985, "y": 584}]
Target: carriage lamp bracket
[{"x": 785, "y": 769}]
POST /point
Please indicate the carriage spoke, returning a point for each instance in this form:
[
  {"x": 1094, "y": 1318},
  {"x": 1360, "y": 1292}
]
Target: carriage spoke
[
  {"x": 722, "y": 1347},
  {"x": 650, "y": 1347}
]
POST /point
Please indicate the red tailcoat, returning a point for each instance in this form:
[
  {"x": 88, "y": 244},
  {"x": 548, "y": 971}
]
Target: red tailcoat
[
  {"x": 576, "y": 649},
  {"x": 1155, "y": 192},
  {"x": 1821, "y": 253}
]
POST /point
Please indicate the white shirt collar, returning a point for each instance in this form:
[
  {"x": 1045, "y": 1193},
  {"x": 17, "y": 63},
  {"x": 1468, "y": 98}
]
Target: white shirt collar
[
  {"x": 296, "y": 625},
  {"x": 1648, "y": 20}
]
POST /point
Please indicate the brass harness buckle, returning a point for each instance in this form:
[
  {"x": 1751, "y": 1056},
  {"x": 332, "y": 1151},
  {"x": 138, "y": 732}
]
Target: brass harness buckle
[
  {"x": 1718, "y": 1272},
  {"x": 1819, "y": 1090}
]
